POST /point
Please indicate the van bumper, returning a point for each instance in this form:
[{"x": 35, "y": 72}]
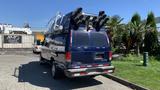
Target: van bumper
[{"x": 89, "y": 71}]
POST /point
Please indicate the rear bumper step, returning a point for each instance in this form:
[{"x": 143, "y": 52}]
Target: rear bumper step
[{"x": 89, "y": 71}]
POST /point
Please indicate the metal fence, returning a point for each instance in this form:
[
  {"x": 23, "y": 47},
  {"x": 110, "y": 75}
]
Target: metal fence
[{"x": 16, "y": 41}]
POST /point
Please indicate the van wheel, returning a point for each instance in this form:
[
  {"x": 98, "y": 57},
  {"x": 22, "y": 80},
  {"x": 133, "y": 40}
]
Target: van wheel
[
  {"x": 57, "y": 73},
  {"x": 41, "y": 60},
  {"x": 54, "y": 71}
]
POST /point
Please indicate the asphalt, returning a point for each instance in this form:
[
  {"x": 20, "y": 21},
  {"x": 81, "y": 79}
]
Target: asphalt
[{"x": 23, "y": 72}]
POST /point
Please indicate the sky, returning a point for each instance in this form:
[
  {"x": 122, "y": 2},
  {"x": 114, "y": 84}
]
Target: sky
[{"x": 38, "y": 12}]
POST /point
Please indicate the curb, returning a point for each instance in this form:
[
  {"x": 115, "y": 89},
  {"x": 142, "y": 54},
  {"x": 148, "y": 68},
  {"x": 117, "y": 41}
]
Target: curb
[{"x": 126, "y": 83}]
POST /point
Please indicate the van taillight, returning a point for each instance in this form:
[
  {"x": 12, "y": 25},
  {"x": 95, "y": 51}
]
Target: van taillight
[
  {"x": 110, "y": 55},
  {"x": 68, "y": 56}
]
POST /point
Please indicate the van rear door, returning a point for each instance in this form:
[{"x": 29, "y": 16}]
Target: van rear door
[{"x": 89, "y": 48}]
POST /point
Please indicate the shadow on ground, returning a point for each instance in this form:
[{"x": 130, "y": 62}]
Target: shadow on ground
[{"x": 39, "y": 75}]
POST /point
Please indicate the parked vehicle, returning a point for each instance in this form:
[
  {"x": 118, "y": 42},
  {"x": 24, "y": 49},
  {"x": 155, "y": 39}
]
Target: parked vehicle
[
  {"x": 39, "y": 39},
  {"x": 37, "y": 46},
  {"x": 75, "y": 50}
]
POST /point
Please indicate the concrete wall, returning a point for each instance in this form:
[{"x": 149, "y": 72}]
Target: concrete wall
[
  {"x": 27, "y": 41},
  {"x": 0, "y": 41}
]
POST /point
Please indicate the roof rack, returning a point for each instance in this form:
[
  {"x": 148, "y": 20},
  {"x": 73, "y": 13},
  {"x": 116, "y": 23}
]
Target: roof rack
[{"x": 76, "y": 19}]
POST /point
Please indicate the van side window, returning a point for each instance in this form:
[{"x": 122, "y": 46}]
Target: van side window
[
  {"x": 59, "y": 40},
  {"x": 65, "y": 22},
  {"x": 59, "y": 21}
]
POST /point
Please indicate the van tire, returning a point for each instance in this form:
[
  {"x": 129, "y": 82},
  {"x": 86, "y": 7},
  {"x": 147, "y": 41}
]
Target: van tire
[
  {"x": 55, "y": 71},
  {"x": 41, "y": 60}
]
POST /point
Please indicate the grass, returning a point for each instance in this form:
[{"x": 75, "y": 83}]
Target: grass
[{"x": 131, "y": 69}]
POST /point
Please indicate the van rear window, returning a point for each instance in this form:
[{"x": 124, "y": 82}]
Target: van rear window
[
  {"x": 93, "y": 39},
  {"x": 80, "y": 39},
  {"x": 98, "y": 39}
]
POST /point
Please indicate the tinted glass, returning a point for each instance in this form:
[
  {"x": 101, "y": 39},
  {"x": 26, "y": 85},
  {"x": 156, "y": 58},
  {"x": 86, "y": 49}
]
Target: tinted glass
[
  {"x": 65, "y": 22},
  {"x": 80, "y": 38},
  {"x": 59, "y": 21},
  {"x": 95, "y": 39},
  {"x": 98, "y": 39},
  {"x": 58, "y": 39}
]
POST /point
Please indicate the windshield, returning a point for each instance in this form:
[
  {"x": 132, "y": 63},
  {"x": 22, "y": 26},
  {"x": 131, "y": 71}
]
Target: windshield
[{"x": 94, "y": 39}]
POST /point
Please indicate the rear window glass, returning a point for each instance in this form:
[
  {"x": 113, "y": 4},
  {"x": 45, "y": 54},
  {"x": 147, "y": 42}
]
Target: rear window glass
[
  {"x": 80, "y": 39},
  {"x": 95, "y": 39},
  {"x": 98, "y": 39}
]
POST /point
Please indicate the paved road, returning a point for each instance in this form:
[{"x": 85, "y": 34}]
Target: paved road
[{"x": 23, "y": 72}]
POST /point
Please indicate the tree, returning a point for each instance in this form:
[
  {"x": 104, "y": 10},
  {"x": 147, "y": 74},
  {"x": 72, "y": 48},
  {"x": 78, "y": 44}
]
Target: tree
[
  {"x": 137, "y": 31},
  {"x": 151, "y": 21},
  {"x": 127, "y": 38},
  {"x": 115, "y": 28},
  {"x": 136, "y": 18},
  {"x": 151, "y": 35}
]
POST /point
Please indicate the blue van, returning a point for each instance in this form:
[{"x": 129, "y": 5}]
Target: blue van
[
  {"x": 76, "y": 52},
  {"x": 80, "y": 53}
]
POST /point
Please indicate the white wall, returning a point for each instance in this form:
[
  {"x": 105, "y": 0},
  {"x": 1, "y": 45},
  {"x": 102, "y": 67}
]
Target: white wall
[
  {"x": 27, "y": 42},
  {"x": 0, "y": 41}
]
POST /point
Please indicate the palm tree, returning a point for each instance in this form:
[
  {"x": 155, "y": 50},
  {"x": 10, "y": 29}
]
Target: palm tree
[
  {"x": 115, "y": 28},
  {"x": 137, "y": 28},
  {"x": 126, "y": 37},
  {"x": 137, "y": 34}
]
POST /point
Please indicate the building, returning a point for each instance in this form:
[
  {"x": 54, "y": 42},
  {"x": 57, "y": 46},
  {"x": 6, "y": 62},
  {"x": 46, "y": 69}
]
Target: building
[
  {"x": 10, "y": 29},
  {"x": 39, "y": 29}
]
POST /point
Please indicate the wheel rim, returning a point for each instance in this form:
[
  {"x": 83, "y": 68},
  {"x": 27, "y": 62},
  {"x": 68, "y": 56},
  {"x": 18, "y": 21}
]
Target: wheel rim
[{"x": 53, "y": 70}]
